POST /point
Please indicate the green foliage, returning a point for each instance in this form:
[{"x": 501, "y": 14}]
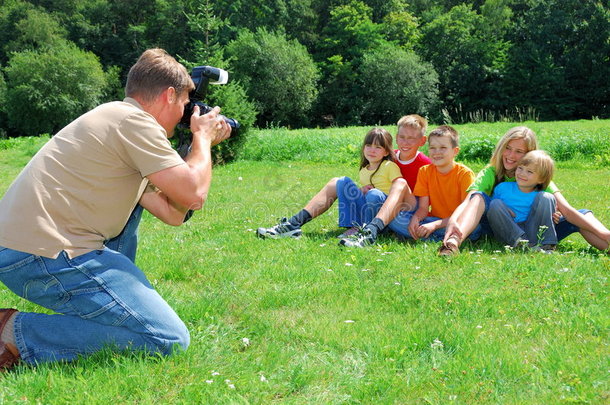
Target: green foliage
[
  {"x": 277, "y": 73},
  {"x": 492, "y": 57},
  {"x": 393, "y": 81},
  {"x": 560, "y": 62},
  {"x": 46, "y": 89},
  {"x": 3, "y": 116},
  {"x": 234, "y": 103},
  {"x": 467, "y": 56},
  {"x": 402, "y": 28},
  {"x": 35, "y": 30}
]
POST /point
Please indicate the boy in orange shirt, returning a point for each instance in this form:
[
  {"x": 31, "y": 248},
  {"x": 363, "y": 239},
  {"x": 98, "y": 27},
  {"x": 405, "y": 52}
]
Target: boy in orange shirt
[{"x": 441, "y": 187}]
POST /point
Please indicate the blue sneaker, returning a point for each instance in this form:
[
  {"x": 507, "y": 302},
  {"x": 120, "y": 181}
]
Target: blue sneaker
[{"x": 282, "y": 230}]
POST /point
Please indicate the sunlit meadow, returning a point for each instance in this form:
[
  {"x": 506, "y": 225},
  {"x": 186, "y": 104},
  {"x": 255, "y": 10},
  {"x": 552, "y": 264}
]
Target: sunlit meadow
[{"x": 306, "y": 322}]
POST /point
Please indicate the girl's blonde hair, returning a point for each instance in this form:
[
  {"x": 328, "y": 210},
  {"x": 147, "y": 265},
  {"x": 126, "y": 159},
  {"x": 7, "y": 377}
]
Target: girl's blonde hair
[
  {"x": 521, "y": 132},
  {"x": 543, "y": 164}
]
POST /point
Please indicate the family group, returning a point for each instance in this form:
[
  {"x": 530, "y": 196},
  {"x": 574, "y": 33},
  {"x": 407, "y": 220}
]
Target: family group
[{"x": 436, "y": 198}]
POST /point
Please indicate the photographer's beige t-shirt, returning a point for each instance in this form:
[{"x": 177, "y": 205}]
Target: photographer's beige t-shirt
[{"x": 81, "y": 187}]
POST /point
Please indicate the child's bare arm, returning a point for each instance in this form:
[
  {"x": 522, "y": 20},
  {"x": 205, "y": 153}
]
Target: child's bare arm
[{"x": 421, "y": 213}]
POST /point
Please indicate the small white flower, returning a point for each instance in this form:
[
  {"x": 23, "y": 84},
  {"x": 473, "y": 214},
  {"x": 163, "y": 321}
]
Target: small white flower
[
  {"x": 245, "y": 341},
  {"x": 397, "y": 283},
  {"x": 479, "y": 327},
  {"x": 365, "y": 269},
  {"x": 437, "y": 344},
  {"x": 477, "y": 262},
  {"x": 329, "y": 269},
  {"x": 263, "y": 379},
  {"x": 209, "y": 381},
  {"x": 215, "y": 373},
  {"x": 348, "y": 264},
  {"x": 322, "y": 244},
  {"x": 348, "y": 321},
  {"x": 232, "y": 386},
  {"x": 240, "y": 178},
  {"x": 416, "y": 267}
]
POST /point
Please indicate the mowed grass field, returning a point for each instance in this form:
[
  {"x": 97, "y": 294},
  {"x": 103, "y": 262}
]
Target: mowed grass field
[{"x": 307, "y": 322}]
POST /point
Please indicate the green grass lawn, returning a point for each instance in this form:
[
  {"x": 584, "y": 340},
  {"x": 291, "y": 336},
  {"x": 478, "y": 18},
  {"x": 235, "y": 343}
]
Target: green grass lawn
[{"x": 306, "y": 322}]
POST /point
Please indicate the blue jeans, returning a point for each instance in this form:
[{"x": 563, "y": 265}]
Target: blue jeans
[
  {"x": 563, "y": 229},
  {"x": 101, "y": 299},
  {"x": 400, "y": 226},
  {"x": 356, "y": 207},
  {"x": 538, "y": 228}
]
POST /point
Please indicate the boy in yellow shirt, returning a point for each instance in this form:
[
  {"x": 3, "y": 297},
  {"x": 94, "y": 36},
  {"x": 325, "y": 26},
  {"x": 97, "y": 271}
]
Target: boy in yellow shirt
[{"x": 441, "y": 186}]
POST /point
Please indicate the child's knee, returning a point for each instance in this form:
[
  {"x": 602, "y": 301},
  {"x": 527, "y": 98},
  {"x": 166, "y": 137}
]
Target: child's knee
[
  {"x": 546, "y": 198},
  {"x": 495, "y": 206},
  {"x": 375, "y": 196}
]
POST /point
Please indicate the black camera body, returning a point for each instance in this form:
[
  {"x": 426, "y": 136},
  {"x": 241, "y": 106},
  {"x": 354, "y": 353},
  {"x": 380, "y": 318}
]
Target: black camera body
[{"x": 203, "y": 76}]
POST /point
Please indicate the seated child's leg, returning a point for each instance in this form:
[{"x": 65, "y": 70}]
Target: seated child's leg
[
  {"x": 503, "y": 225},
  {"x": 351, "y": 202},
  {"x": 400, "y": 224},
  {"x": 374, "y": 200},
  {"x": 565, "y": 228},
  {"x": 539, "y": 226}
]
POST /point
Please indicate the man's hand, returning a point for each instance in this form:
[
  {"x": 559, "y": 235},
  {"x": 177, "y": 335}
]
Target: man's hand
[{"x": 211, "y": 126}]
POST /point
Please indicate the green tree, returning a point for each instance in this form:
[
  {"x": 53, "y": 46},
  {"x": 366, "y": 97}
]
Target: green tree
[
  {"x": 348, "y": 35},
  {"x": 560, "y": 61},
  {"x": 396, "y": 82},
  {"x": 277, "y": 73},
  {"x": 48, "y": 88},
  {"x": 24, "y": 26},
  {"x": 468, "y": 59},
  {"x": 231, "y": 97},
  {"x": 402, "y": 28}
]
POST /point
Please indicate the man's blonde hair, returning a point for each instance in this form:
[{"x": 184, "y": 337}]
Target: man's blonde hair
[
  {"x": 542, "y": 163},
  {"x": 153, "y": 73},
  {"x": 414, "y": 121}
]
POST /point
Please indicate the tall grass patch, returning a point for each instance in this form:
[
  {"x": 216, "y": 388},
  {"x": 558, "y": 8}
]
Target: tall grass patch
[{"x": 563, "y": 140}]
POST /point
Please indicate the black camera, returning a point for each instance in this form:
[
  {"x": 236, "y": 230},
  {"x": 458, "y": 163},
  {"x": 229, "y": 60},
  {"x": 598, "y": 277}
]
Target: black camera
[{"x": 202, "y": 76}]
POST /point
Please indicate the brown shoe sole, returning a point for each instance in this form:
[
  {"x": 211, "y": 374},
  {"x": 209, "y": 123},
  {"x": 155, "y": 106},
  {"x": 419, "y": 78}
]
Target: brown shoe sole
[{"x": 9, "y": 355}]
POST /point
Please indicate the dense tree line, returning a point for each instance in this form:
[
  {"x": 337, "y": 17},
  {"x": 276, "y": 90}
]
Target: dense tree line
[{"x": 313, "y": 62}]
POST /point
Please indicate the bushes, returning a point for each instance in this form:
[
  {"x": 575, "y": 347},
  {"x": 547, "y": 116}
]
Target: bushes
[
  {"x": 278, "y": 74},
  {"x": 393, "y": 81},
  {"x": 48, "y": 88}
]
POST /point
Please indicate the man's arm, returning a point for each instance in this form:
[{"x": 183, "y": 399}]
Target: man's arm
[
  {"x": 163, "y": 208},
  {"x": 187, "y": 185}
]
